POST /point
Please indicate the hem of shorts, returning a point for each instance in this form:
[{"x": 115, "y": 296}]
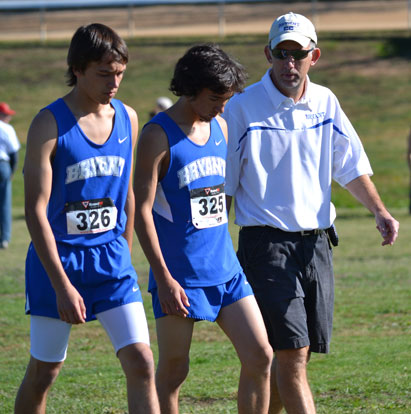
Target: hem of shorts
[
  {"x": 295, "y": 343},
  {"x": 323, "y": 348},
  {"x": 206, "y": 318},
  {"x": 118, "y": 304},
  {"x": 196, "y": 318},
  {"x": 89, "y": 319},
  {"x": 190, "y": 286},
  {"x": 30, "y": 312},
  {"x": 201, "y": 318}
]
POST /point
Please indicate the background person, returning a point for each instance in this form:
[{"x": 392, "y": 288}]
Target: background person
[
  {"x": 181, "y": 222},
  {"x": 409, "y": 164},
  {"x": 80, "y": 214},
  {"x": 288, "y": 138},
  {"x": 9, "y": 147},
  {"x": 162, "y": 103}
]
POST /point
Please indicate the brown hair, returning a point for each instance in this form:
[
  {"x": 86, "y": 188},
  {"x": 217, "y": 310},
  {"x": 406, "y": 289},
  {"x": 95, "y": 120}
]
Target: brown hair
[{"x": 91, "y": 44}]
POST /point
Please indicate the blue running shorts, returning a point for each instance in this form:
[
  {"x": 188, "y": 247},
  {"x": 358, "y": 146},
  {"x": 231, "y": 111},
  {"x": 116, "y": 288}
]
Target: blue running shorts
[
  {"x": 103, "y": 275},
  {"x": 206, "y": 302}
]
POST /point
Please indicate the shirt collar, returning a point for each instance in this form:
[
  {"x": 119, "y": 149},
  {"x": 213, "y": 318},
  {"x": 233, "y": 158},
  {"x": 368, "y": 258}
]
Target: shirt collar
[{"x": 278, "y": 99}]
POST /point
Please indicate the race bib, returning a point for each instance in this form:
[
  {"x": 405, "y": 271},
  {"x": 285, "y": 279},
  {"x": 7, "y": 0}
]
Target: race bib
[
  {"x": 208, "y": 206},
  {"x": 91, "y": 216}
]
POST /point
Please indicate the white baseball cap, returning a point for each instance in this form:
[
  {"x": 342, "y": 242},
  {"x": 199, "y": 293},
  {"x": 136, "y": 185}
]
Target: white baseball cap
[
  {"x": 164, "y": 103},
  {"x": 292, "y": 26}
]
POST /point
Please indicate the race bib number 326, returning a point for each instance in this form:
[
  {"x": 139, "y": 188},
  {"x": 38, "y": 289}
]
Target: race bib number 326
[
  {"x": 91, "y": 216},
  {"x": 208, "y": 206}
]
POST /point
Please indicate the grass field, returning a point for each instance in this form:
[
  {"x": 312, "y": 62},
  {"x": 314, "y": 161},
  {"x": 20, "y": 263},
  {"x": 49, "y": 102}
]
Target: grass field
[{"x": 368, "y": 368}]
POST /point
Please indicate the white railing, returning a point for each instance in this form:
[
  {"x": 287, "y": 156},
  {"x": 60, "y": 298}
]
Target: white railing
[
  {"x": 71, "y": 4},
  {"x": 30, "y": 19},
  {"x": 47, "y": 5}
]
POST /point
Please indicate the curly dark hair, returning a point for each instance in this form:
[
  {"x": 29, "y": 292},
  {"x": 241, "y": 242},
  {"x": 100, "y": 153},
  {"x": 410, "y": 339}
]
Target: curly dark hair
[
  {"x": 92, "y": 43},
  {"x": 207, "y": 66}
]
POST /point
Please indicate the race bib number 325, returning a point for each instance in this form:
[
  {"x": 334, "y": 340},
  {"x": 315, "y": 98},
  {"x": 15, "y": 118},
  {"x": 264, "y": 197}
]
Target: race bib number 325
[
  {"x": 91, "y": 216},
  {"x": 208, "y": 207}
]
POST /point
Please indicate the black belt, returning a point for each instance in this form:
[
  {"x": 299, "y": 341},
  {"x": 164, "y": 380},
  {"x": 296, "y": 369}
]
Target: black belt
[
  {"x": 301, "y": 232},
  {"x": 310, "y": 232}
]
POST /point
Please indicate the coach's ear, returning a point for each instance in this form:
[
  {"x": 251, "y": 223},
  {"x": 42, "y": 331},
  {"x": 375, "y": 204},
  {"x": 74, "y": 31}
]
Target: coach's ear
[
  {"x": 268, "y": 55},
  {"x": 315, "y": 55}
]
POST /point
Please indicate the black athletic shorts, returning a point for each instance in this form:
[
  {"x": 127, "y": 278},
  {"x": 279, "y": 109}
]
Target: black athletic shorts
[{"x": 292, "y": 277}]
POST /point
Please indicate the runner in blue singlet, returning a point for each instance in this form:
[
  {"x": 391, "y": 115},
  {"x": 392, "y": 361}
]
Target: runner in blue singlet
[
  {"x": 181, "y": 222},
  {"x": 80, "y": 214}
]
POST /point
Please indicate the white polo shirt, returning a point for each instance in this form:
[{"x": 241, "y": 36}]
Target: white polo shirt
[
  {"x": 282, "y": 156},
  {"x": 8, "y": 141}
]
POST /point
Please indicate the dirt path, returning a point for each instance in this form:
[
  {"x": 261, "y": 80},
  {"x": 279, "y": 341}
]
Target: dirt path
[{"x": 205, "y": 19}]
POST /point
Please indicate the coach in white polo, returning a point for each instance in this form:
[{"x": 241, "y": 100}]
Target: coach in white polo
[{"x": 288, "y": 139}]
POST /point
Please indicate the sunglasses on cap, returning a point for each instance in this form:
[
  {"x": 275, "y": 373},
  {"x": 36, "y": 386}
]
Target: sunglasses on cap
[{"x": 295, "y": 54}]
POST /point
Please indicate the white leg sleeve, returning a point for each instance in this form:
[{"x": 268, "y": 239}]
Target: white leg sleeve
[
  {"x": 49, "y": 338},
  {"x": 125, "y": 325}
]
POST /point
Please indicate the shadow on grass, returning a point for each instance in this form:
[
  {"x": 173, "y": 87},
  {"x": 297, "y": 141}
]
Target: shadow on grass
[
  {"x": 19, "y": 217},
  {"x": 396, "y": 47}
]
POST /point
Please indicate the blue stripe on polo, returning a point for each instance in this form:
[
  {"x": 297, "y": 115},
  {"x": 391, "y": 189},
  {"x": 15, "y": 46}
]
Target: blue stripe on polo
[
  {"x": 264, "y": 128},
  {"x": 254, "y": 128}
]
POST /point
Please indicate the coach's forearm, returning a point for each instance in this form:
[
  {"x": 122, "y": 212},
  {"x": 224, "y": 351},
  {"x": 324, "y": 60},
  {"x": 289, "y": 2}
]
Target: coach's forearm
[{"x": 364, "y": 190}]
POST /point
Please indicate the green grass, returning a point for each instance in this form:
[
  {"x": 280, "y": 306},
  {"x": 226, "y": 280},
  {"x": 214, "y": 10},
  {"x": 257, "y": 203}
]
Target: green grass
[
  {"x": 367, "y": 370},
  {"x": 369, "y": 73}
]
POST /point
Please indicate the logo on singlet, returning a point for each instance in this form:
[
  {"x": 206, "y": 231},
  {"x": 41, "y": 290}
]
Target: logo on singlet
[
  {"x": 95, "y": 167},
  {"x": 202, "y": 167}
]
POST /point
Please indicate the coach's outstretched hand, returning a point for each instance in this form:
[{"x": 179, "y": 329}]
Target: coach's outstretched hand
[{"x": 388, "y": 227}]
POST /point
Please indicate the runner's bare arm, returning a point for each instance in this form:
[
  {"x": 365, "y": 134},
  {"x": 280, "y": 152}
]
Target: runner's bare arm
[
  {"x": 223, "y": 125},
  {"x": 41, "y": 145},
  {"x": 130, "y": 202},
  {"x": 151, "y": 160}
]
